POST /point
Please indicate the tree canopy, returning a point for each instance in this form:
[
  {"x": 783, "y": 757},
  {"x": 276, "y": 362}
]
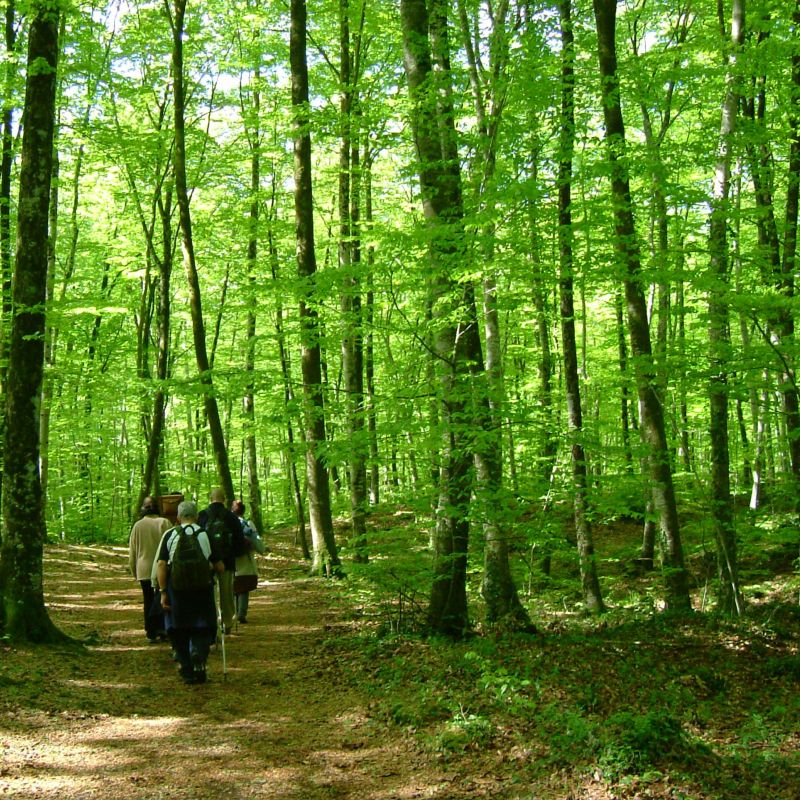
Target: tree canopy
[{"x": 443, "y": 244}]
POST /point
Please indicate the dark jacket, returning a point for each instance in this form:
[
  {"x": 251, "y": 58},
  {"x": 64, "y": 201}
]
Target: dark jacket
[{"x": 234, "y": 528}]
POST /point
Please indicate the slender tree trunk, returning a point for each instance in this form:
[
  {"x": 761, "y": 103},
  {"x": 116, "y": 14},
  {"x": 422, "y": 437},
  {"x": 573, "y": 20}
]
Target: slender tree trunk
[
  {"x": 195, "y": 299},
  {"x": 793, "y": 172},
  {"x": 349, "y": 265},
  {"x": 498, "y": 589},
  {"x": 622, "y": 349},
  {"x": 369, "y": 348},
  {"x": 23, "y": 615},
  {"x": 6, "y": 166},
  {"x": 288, "y": 394},
  {"x": 729, "y": 593},
  {"x": 652, "y": 421},
  {"x": 781, "y": 322},
  {"x": 592, "y": 594},
  {"x": 248, "y": 400},
  {"x": 326, "y": 557},
  {"x": 150, "y": 475}
]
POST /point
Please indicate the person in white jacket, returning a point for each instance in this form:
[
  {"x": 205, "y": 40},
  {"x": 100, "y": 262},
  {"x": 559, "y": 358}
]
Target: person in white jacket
[{"x": 145, "y": 536}]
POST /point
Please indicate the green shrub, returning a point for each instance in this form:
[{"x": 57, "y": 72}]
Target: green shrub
[{"x": 634, "y": 743}]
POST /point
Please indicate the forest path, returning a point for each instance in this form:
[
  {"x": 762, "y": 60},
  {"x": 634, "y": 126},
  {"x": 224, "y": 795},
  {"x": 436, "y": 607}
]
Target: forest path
[{"x": 115, "y": 722}]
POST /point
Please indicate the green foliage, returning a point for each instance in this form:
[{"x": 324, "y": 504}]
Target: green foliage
[
  {"x": 636, "y": 743},
  {"x": 465, "y": 731},
  {"x": 396, "y": 582}
]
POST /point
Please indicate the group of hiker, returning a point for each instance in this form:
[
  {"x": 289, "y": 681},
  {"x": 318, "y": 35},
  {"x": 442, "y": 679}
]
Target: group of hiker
[{"x": 194, "y": 575}]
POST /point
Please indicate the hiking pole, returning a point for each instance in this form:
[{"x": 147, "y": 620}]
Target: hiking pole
[{"x": 218, "y": 604}]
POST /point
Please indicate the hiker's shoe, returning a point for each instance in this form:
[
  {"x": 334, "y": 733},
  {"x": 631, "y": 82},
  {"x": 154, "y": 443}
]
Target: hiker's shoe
[
  {"x": 152, "y": 639},
  {"x": 187, "y": 675},
  {"x": 200, "y": 674},
  {"x": 243, "y": 622}
]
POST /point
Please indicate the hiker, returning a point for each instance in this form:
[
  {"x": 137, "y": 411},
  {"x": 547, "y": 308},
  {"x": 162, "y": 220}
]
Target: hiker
[
  {"x": 223, "y": 528},
  {"x": 142, "y": 548},
  {"x": 245, "y": 578},
  {"x": 185, "y": 580}
]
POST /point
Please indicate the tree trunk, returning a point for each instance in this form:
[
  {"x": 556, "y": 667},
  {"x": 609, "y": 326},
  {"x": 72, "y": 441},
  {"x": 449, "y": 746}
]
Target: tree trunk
[
  {"x": 288, "y": 393},
  {"x": 248, "y": 400},
  {"x": 442, "y": 206},
  {"x": 325, "y": 557},
  {"x": 23, "y": 615},
  {"x": 369, "y": 348},
  {"x": 592, "y": 594},
  {"x": 730, "y": 599},
  {"x": 6, "y": 166},
  {"x": 150, "y": 476},
  {"x": 652, "y": 421},
  {"x": 349, "y": 265},
  {"x": 190, "y": 265},
  {"x": 498, "y": 589},
  {"x": 781, "y": 321}
]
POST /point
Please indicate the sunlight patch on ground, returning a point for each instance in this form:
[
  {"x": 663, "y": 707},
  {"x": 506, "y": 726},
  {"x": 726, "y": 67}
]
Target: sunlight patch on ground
[{"x": 99, "y": 685}]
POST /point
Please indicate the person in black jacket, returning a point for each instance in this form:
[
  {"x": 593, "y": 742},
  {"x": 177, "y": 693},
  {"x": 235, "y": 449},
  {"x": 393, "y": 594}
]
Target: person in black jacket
[{"x": 224, "y": 528}]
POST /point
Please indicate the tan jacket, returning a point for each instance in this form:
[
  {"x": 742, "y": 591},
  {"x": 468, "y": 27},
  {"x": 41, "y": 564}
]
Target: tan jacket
[{"x": 145, "y": 536}]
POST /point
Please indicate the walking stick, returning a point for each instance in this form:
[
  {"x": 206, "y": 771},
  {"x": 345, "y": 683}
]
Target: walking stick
[{"x": 218, "y": 605}]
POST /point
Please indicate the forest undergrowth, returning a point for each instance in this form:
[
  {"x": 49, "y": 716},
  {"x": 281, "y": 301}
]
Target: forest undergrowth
[{"x": 333, "y": 691}]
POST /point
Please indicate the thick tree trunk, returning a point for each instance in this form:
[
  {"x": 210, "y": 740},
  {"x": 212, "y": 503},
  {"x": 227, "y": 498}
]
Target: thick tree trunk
[
  {"x": 23, "y": 615},
  {"x": 440, "y": 184},
  {"x": 592, "y": 594},
  {"x": 190, "y": 265},
  {"x": 325, "y": 557},
  {"x": 652, "y": 421}
]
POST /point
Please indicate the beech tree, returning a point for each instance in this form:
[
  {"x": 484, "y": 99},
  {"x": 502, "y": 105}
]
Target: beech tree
[
  {"x": 325, "y": 555},
  {"x": 177, "y": 16},
  {"x": 23, "y": 615},
  {"x": 719, "y": 335},
  {"x": 626, "y": 241},
  {"x": 583, "y": 528}
]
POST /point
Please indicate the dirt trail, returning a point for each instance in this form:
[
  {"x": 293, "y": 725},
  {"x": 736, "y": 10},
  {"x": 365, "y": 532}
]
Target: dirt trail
[{"x": 116, "y": 723}]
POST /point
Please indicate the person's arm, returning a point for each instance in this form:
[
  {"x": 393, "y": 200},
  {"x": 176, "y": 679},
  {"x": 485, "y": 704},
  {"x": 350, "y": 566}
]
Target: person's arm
[
  {"x": 132, "y": 548},
  {"x": 161, "y": 573},
  {"x": 258, "y": 543}
]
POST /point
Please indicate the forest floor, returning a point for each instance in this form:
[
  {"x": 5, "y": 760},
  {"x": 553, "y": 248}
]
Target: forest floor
[{"x": 307, "y": 711}]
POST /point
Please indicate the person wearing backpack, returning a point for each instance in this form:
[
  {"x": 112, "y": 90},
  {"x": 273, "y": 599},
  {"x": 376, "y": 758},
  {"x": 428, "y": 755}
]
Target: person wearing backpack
[
  {"x": 223, "y": 528},
  {"x": 187, "y": 562},
  {"x": 245, "y": 579}
]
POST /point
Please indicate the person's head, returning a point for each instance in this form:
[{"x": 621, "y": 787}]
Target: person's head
[
  {"x": 187, "y": 511},
  {"x": 237, "y": 506},
  {"x": 150, "y": 506},
  {"x": 216, "y": 495}
]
